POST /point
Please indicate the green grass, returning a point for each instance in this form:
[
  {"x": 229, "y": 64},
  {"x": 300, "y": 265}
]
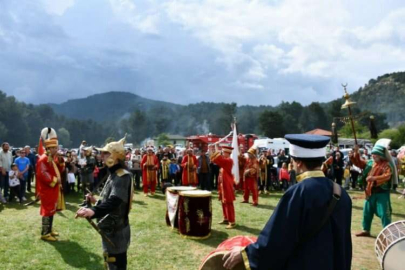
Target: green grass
[{"x": 153, "y": 244}]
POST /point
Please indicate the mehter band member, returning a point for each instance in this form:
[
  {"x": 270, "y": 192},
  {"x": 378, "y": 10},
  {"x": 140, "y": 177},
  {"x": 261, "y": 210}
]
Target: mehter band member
[
  {"x": 225, "y": 185},
  {"x": 50, "y": 166},
  {"x": 112, "y": 209},
  {"x": 310, "y": 227}
]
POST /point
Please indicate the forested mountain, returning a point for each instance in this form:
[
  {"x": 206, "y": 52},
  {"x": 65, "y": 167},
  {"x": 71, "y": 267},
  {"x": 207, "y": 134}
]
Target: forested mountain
[
  {"x": 114, "y": 113},
  {"x": 386, "y": 95},
  {"x": 110, "y": 106}
]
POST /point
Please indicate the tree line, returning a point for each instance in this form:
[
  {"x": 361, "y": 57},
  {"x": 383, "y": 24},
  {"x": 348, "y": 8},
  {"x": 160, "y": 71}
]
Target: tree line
[{"x": 21, "y": 123}]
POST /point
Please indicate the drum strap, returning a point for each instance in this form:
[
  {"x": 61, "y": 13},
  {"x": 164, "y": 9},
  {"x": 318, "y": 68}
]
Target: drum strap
[{"x": 337, "y": 192}]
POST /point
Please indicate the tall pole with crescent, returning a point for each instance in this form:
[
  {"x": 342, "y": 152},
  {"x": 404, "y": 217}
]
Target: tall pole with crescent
[{"x": 348, "y": 103}]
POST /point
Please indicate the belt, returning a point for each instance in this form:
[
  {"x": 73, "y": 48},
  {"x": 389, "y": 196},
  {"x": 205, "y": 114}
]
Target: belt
[{"x": 378, "y": 190}]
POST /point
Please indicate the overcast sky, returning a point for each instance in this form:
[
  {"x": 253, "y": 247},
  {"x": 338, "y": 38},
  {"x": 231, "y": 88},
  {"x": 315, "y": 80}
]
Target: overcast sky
[{"x": 185, "y": 51}]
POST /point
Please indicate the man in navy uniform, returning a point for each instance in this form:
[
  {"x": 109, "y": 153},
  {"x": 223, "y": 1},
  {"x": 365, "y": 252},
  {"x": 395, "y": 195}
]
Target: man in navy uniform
[{"x": 310, "y": 228}]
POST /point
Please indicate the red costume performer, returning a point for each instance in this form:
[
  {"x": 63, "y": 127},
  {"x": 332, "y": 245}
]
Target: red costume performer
[
  {"x": 225, "y": 185},
  {"x": 150, "y": 166},
  {"x": 242, "y": 164},
  {"x": 251, "y": 174},
  {"x": 189, "y": 165},
  {"x": 48, "y": 178}
]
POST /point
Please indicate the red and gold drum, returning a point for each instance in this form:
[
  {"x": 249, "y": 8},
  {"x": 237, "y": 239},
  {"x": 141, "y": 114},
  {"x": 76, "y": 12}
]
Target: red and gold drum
[
  {"x": 390, "y": 246},
  {"x": 195, "y": 214},
  {"x": 172, "y": 199},
  {"x": 214, "y": 260}
]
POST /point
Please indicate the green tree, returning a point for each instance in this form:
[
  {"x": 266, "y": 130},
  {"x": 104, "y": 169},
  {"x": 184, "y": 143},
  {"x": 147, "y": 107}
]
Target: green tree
[
  {"x": 347, "y": 132},
  {"x": 224, "y": 120},
  {"x": 163, "y": 139},
  {"x": 137, "y": 126},
  {"x": 271, "y": 124},
  {"x": 397, "y": 135},
  {"x": 64, "y": 137}
]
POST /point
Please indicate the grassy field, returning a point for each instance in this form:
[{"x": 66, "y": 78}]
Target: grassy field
[{"x": 153, "y": 244}]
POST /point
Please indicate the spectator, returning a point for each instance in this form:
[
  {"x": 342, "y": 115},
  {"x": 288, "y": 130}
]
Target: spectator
[
  {"x": 203, "y": 171},
  {"x": 284, "y": 176},
  {"x": 174, "y": 168},
  {"x": 31, "y": 172},
  {"x": 271, "y": 171},
  {"x": 87, "y": 172},
  {"x": 14, "y": 183},
  {"x": 6, "y": 159},
  {"x": 136, "y": 168},
  {"x": 338, "y": 167},
  {"x": 354, "y": 171},
  {"x": 179, "y": 161},
  {"x": 70, "y": 170},
  {"x": 164, "y": 168},
  {"x": 282, "y": 158},
  {"x": 23, "y": 164},
  {"x": 365, "y": 155},
  {"x": 16, "y": 154},
  {"x": 291, "y": 171},
  {"x": 173, "y": 152}
]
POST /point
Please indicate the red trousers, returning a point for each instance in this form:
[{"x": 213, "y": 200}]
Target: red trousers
[
  {"x": 229, "y": 212},
  {"x": 251, "y": 186},
  {"x": 152, "y": 185}
]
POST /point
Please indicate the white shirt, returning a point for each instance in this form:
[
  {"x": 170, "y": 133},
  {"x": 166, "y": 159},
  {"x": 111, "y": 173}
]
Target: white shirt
[
  {"x": 6, "y": 159},
  {"x": 13, "y": 179}
]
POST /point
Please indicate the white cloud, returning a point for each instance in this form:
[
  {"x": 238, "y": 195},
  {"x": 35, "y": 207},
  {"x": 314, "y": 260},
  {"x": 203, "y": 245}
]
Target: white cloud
[
  {"x": 248, "y": 85},
  {"x": 144, "y": 21},
  {"x": 57, "y": 7},
  {"x": 193, "y": 50},
  {"x": 310, "y": 35}
]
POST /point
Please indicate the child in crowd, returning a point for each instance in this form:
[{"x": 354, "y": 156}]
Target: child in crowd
[
  {"x": 173, "y": 170},
  {"x": 71, "y": 179},
  {"x": 14, "y": 183},
  {"x": 284, "y": 176},
  {"x": 292, "y": 173}
]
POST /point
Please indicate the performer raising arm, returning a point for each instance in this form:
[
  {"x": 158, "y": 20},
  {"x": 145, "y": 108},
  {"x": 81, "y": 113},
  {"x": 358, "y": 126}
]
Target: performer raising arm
[{"x": 225, "y": 185}]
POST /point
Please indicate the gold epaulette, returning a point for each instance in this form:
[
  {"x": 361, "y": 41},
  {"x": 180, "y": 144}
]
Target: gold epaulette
[
  {"x": 213, "y": 156},
  {"x": 121, "y": 172}
]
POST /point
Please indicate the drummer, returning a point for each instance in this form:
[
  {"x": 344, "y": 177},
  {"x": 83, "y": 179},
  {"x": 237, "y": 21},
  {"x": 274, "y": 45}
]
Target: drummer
[
  {"x": 225, "y": 184},
  {"x": 295, "y": 236}
]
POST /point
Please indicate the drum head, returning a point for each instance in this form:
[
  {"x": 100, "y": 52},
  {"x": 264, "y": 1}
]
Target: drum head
[
  {"x": 394, "y": 257},
  {"x": 174, "y": 189},
  {"x": 196, "y": 193},
  {"x": 214, "y": 262}
]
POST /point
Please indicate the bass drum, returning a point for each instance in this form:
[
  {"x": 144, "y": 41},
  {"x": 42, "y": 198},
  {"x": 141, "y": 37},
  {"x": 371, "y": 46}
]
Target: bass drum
[
  {"x": 214, "y": 260},
  {"x": 172, "y": 198},
  {"x": 390, "y": 246}
]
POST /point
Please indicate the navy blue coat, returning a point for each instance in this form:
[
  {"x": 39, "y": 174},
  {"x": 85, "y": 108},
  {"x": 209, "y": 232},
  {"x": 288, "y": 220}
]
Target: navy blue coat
[{"x": 299, "y": 210}]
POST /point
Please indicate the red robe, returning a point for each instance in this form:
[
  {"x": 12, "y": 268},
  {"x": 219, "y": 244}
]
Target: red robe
[
  {"x": 225, "y": 186},
  {"x": 48, "y": 187},
  {"x": 251, "y": 174},
  {"x": 242, "y": 164},
  {"x": 225, "y": 179},
  {"x": 149, "y": 172},
  {"x": 189, "y": 176}
]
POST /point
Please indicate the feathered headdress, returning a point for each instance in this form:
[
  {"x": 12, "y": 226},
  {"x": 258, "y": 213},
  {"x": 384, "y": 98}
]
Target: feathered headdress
[{"x": 49, "y": 137}]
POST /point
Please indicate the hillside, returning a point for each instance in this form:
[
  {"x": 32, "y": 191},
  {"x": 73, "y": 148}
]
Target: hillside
[
  {"x": 110, "y": 106},
  {"x": 386, "y": 95}
]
